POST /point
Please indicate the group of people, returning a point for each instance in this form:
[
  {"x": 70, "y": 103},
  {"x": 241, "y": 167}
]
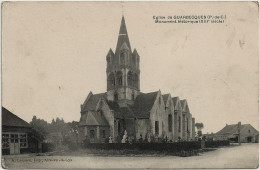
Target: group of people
[
  {"x": 148, "y": 139},
  {"x": 129, "y": 139}
]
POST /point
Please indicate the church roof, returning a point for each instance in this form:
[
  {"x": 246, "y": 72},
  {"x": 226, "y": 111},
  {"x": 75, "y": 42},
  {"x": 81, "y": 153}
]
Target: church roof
[
  {"x": 183, "y": 103},
  {"x": 165, "y": 98},
  {"x": 143, "y": 104},
  {"x": 92, "y": 101},
  {"x": 175, "y": 99},
  {"x": 10, "y": 119},
  {"x": 120, "y": 113},
  {"x": 93, "y": 118},
  {"x": 122, "y": 37}
]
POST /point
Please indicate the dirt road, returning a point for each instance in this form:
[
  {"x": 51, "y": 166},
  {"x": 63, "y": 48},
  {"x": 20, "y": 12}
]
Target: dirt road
[{"x": 244, "y": 156}]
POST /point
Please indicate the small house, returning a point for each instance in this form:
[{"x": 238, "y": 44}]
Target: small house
[{"x": 17, "y": 135}]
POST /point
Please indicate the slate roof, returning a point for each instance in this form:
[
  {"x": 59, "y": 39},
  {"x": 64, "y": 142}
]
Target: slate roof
[
  {"x": 122, "y": 37},
  {"x": 93, "y": 118},
  {"x": 10, "y": 119},
  {"x": 143, "y": 104},
  {"x": 121, "y": 113},
  {"x": 93, "y": 100}
]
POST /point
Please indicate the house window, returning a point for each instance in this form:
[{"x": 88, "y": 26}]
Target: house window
[
  {"x": 170, "y": 123},
  {"x": 92, "y": 134},
  {"x": 179, "y": 123},
  {"x": 23, "y": 140},
  {"x": 5, "y": 141},
  {"x": 156, "y": 127},
  {"x": 249, "y": 131},
  {"x": 14, "y": 138},
  {"x": 104, "y": 134}
]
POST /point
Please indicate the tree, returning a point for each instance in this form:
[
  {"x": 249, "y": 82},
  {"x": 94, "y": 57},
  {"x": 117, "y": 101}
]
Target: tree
[
  {"x": 199, "y": 127},
  {"x": 40, "y": 127}
]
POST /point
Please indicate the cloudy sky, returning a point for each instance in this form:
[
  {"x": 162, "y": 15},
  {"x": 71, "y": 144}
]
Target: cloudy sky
[{"x": 53, "y": 54}]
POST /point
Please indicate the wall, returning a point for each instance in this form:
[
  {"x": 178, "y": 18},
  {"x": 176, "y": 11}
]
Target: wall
[
  {"x": 143, "y": 127},
  {"x": 184, "y": 126},
  {"x": 98, "y": 131},
  {"x": 170, "y": 111},
  {"x": 109, "y": 115},
  {"x": 193, "y": 129},
  {"x": 157, "y": 113},
  {"x": 245, "y": 133}
]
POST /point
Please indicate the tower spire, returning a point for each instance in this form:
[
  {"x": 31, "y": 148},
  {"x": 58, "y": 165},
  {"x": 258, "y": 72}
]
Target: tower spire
[{"x": 122, "y": 37}]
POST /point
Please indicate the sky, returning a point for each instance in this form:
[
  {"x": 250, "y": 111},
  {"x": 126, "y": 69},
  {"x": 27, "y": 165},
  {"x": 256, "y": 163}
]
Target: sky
[{"x": 54, "y": 54}]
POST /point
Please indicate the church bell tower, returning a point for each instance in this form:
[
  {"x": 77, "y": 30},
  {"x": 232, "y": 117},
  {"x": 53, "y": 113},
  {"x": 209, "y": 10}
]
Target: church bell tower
[{"x": 123, "y": 72}]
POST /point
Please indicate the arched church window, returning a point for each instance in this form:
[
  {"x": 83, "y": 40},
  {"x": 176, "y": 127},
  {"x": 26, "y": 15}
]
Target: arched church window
[
  {"x": 115, "y": 97},
  {"x": 134, "y": 60},
  {"x": 129, "y": 78},
  {"x": 119, "y": 78},
  {"x": 187, "y": 124},
  {"x": 179, "y": 123},
  {"x": 135, "y": 81},
  {"x": 123, "y": 57},
  {"x": 111, "y": 80},
  {"x": 133, "y": 96}
]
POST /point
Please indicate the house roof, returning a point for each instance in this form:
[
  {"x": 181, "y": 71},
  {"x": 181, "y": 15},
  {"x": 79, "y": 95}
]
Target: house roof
[
  {"x": 143, "y": 104},
  {"x": 233, "y": 129},
  {"x": 10, "y": 119},
  {"x": 93, "y": 118},
  {"x": 92, "y": 101},
  {"x": 228, "y": 129}
]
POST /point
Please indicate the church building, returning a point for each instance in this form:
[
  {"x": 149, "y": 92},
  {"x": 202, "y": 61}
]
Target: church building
[{"x": 123, "y": 107}]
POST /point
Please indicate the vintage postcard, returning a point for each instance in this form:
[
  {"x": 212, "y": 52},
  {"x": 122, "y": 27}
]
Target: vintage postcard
[{"x": 130, "y": 85}]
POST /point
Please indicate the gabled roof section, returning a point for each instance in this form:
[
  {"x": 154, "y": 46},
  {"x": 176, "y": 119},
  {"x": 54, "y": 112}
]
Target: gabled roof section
[
  {"x": 143, "y": 104},
  {"x": 184, "y": 105},
  {"x": 10, "y": 119},
  {"x": 124, "y": 47},
  {"x": 177, "y": 103},
  {"x": 122, "y": 37},
  {"x": 93, "y": 118},
  {"x": 92, "y": 101},
  {"x": 165, "y": 98},
  {"x": 174, "y": 100}
]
